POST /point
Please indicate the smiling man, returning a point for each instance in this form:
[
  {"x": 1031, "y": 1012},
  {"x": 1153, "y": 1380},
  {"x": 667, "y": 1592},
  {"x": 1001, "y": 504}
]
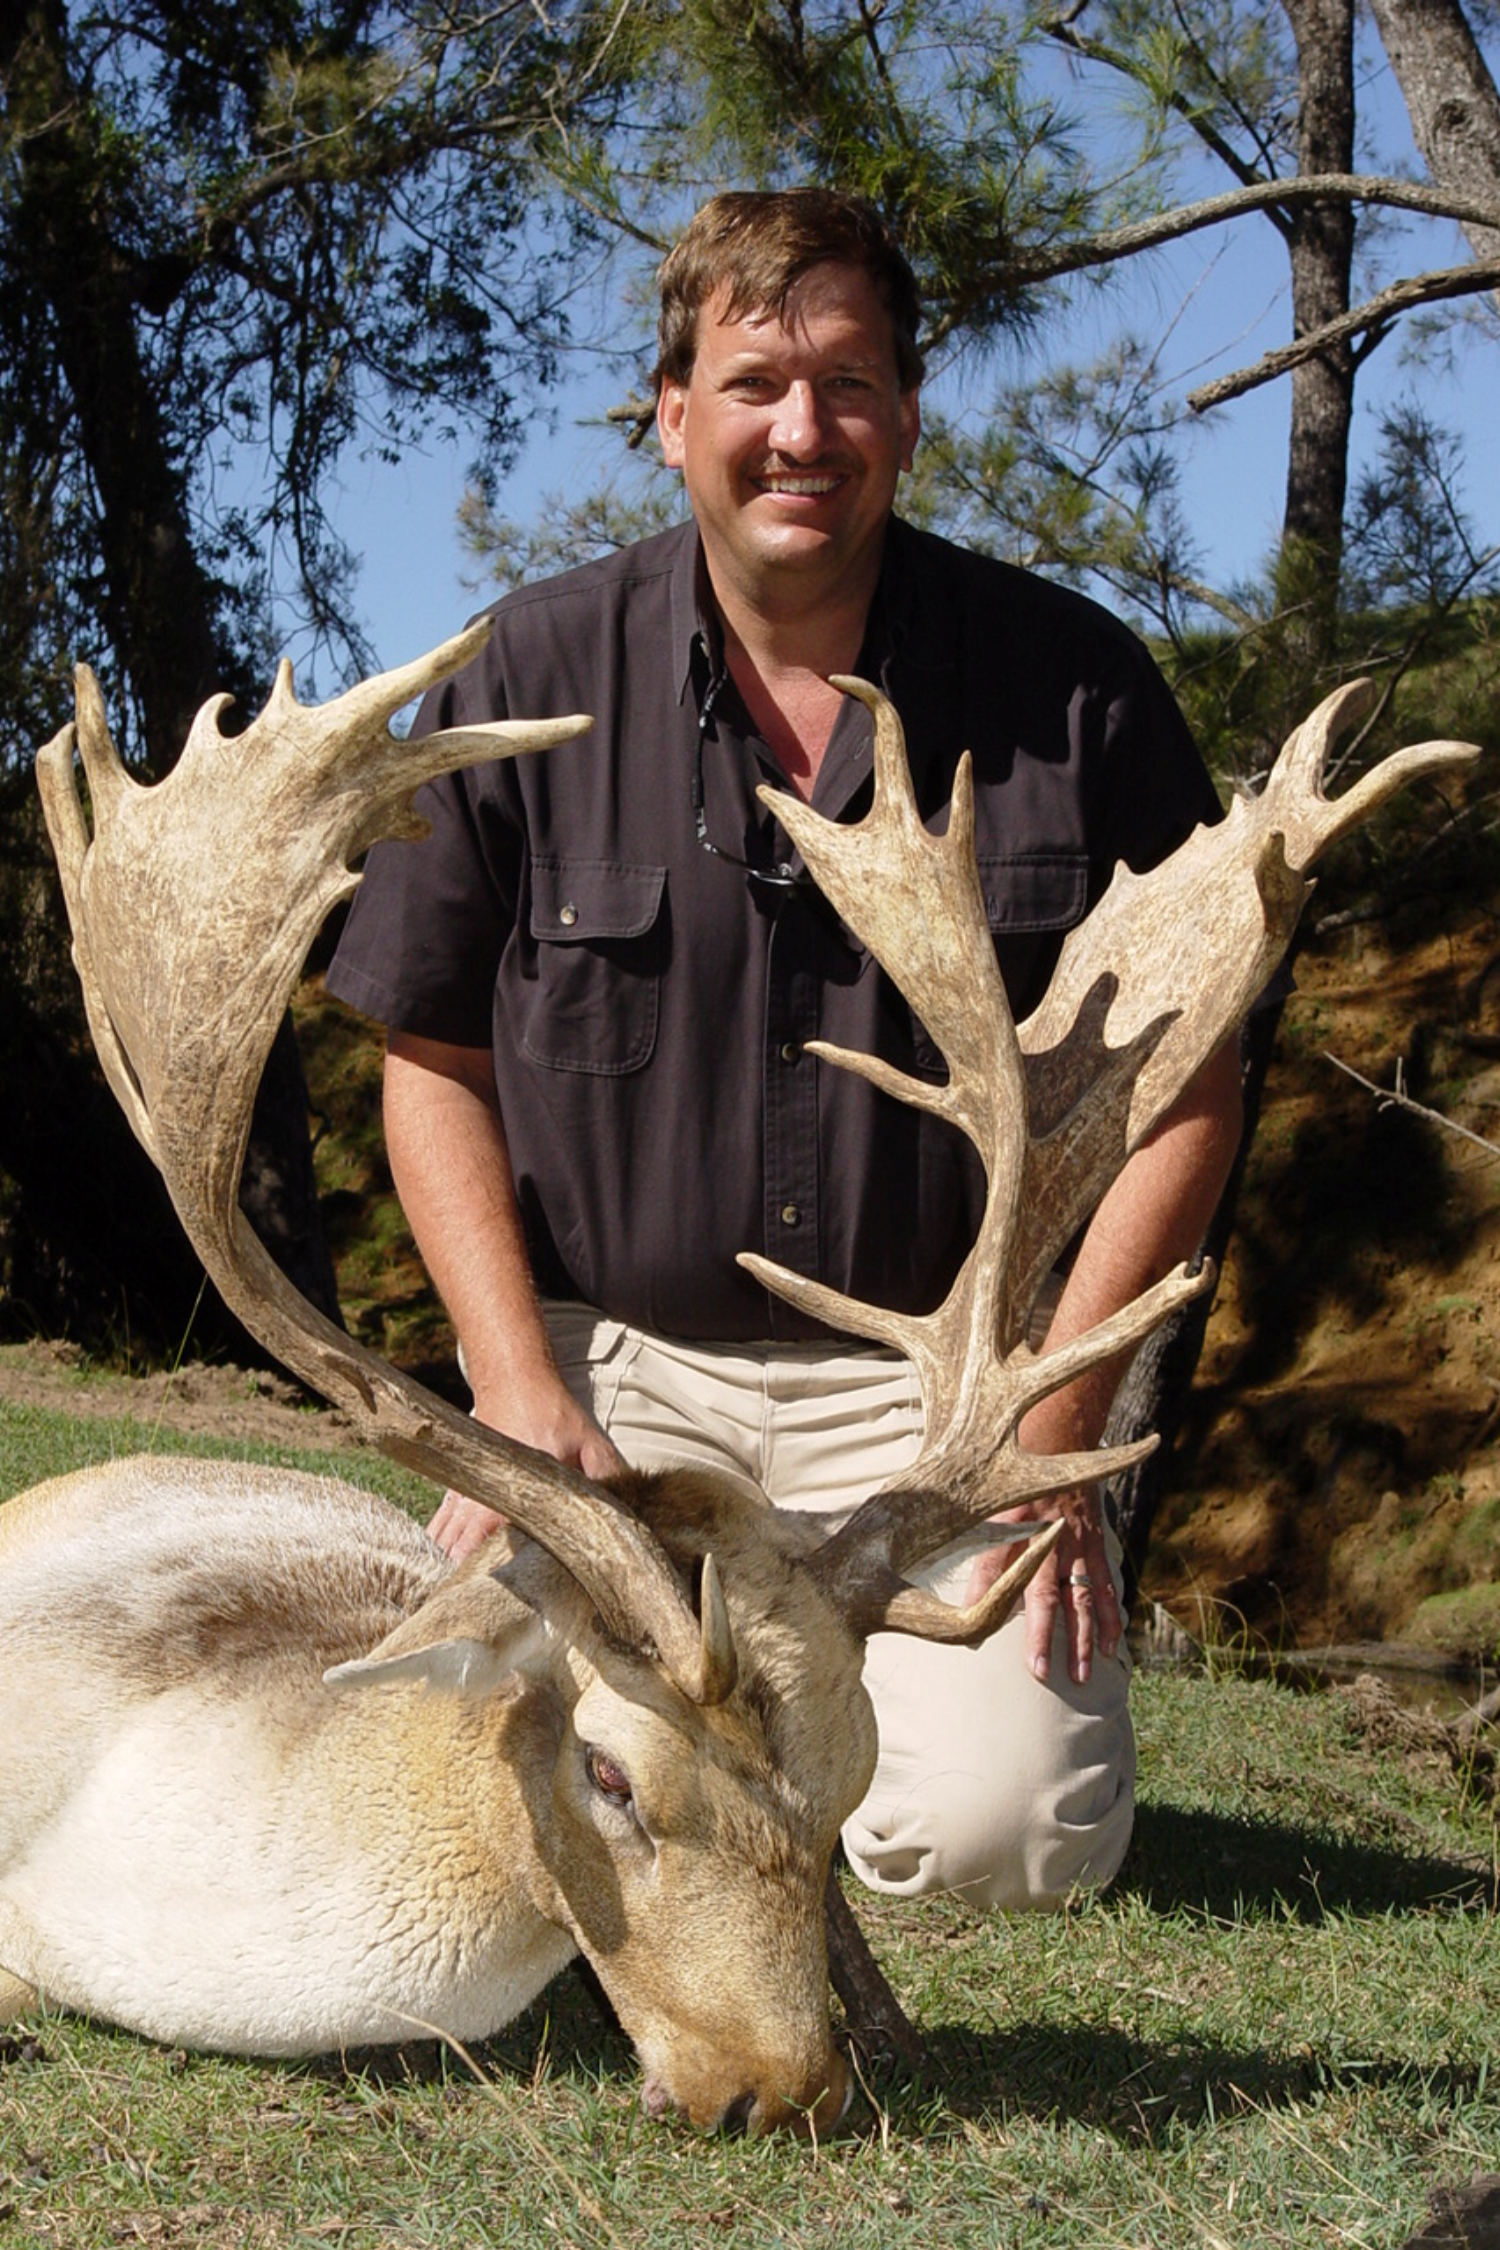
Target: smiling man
[{"x": 601, "y": 973}]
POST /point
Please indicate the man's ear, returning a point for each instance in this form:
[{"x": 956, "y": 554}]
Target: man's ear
[
  {"x": 671, "y": 413},
  {"x": 911, "y": 424}
]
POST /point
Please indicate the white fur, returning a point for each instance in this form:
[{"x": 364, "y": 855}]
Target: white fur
[{"x": 276, "y": 1777}]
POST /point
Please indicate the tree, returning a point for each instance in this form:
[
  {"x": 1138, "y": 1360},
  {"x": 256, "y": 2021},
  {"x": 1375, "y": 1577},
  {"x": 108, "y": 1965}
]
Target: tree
[
  {"x": 1451, "y": 100},
  {"x": 1320, "y": 246},
  {"x": 952, "y": 121},
  {"x": 234, "y": 242}
]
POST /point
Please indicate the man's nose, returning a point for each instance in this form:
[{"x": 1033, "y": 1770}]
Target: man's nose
[{"x": 800, "y": 420}]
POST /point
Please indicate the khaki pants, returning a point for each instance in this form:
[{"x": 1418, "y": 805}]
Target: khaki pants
[{"x": 988, "y": 1782}]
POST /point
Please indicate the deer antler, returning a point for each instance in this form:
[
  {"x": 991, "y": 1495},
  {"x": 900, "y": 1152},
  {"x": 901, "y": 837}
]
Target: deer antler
[
  {"x": 183, "y": 1028},
  {"x": 1169, "y": 963},
  {"x": 1145, "y": 989}
]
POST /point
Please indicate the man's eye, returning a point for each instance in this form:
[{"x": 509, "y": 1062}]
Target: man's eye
[{"x": 609, "y": 1778}]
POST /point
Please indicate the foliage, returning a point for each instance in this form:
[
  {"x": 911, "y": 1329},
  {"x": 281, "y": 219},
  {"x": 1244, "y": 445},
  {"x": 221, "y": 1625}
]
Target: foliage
[
  {"x": 1276, "y": 2027},
  {"x": 1074, "y": 474},
  {"x": 925, "y": 107},
  {"x": 1412, "y": 541},
  {"x": 565, "y": 532},
  {"x": 237, "y": 246},
  {"x": 301, "y": 230}
]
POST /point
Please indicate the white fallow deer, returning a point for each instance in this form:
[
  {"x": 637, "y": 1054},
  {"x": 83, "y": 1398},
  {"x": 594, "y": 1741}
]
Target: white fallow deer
[{"x": 275, "y": 1776}]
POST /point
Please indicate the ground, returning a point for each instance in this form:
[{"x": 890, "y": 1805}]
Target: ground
[
  {"x": 1338, "y": 1479},
  {"x": 244, "y": 1405}
]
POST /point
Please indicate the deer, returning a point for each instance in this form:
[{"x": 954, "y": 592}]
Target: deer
[{"x": 277, "y": 1777}]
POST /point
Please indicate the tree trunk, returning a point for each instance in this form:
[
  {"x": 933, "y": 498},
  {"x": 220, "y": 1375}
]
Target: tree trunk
[
  {"x": 1322, "y": 254},
  {"x": 1450, "y": 98},
  {"x": 70, "y": 247},
  {"x": 67, "y": 240}
]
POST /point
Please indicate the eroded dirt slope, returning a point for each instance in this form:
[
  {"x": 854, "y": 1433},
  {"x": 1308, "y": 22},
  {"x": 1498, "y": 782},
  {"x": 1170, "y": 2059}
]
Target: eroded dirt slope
[{"x": 1340, "y": 1469}]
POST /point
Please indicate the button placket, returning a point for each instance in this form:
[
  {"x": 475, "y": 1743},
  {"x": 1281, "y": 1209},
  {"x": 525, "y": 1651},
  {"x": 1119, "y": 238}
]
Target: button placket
[{"x": 791, "y": 1101}]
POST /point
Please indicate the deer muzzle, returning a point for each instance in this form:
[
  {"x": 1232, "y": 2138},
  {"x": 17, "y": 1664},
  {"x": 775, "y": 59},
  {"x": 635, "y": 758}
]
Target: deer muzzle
[{"x": 810, "y": 2109}]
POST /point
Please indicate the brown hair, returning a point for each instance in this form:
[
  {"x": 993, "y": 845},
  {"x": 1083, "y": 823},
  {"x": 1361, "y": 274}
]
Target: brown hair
[{"x": 758, "y": 246}]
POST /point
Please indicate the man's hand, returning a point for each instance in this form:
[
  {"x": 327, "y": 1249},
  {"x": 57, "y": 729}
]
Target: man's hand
[
  {"x": 561, "y": 1428},
  {"x": 1075, "y": 1578},
  {"x": 461, "y": 1524},
  {"x": 1154, "y": 1216}
]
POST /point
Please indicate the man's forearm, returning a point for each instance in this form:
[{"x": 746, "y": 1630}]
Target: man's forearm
[
  {"x": 1153, "y": 1218},
  {"x": 449, "y": 1160}
]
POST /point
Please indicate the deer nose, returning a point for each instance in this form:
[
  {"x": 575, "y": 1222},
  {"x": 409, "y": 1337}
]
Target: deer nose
[
  {"x": 821, "y": 2110},
  {"x": 736, "y": 2119}
]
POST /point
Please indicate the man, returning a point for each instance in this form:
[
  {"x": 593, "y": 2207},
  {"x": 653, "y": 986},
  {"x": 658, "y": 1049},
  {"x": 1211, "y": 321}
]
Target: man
[{"x": 601, "y": 973}]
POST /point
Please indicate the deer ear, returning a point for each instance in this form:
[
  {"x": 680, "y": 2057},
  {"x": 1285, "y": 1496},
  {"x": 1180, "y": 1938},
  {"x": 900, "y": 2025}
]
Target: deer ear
[
  {"x": 468, "y": 1638},
  {"x": 458, "y": 1667}
]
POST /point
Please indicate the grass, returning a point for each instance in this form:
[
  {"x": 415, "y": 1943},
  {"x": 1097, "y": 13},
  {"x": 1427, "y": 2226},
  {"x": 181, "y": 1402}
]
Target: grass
[{"x": 1276, "y": 2029}]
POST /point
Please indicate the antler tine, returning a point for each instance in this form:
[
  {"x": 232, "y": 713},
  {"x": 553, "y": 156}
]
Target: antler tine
[
  {"x": 1145, "y": 990},
  {"x": 188, "y": 953},
  {"x": 915, "y": 899},
  {"x": 1174, "y": 960},
  {"x": 884, "y": 1602},
  {"x": 1293, "y": 793}
]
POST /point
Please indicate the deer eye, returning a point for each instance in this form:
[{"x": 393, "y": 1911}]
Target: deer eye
[{"x": 609, "y": 1778}]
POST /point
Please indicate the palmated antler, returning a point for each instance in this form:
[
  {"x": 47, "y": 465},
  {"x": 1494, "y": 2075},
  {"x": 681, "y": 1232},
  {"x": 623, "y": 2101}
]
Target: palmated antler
[
  {"x": 193, "y": 904},
  {"x": 1146, "y": 988}
]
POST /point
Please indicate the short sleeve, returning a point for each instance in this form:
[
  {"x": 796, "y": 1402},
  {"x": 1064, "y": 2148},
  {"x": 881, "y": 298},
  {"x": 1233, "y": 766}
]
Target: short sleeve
[
  {"x": 431, "y": 917},
  {"x": 1154, "y": 787}
]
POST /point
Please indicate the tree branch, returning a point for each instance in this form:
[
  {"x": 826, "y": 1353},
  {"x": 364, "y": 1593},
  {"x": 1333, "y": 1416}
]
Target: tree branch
[
  {"x": 1190, "y": 218},
  {"x": 1376, "y": 312},
  {"x": 1114, "y": 58},
  {"x": 1396, "y": 1097}
]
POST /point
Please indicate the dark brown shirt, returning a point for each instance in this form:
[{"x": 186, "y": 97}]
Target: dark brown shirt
[{"x": 649, "y": 1004}]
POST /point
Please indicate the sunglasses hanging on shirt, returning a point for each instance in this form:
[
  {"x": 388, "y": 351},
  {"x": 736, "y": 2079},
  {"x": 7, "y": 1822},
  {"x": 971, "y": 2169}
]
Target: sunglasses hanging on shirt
[{"x": 781, "y": 876}]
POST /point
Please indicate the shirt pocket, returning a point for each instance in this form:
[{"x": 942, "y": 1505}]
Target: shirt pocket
[
  {"x": 597, "y": 934},
  {"x": 1026, "y": 892},
  {"x": 1031, "y": 901}
]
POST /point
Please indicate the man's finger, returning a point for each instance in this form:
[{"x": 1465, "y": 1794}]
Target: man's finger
[
  {"x": 461, "y": 1524},
  {"x": 1083, "y": 1593},
  {"x": 1043, "y": 1599}
]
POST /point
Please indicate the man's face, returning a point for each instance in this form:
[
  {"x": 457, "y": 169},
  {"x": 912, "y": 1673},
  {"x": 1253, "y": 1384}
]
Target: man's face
[{"x": 790, "y": 436}]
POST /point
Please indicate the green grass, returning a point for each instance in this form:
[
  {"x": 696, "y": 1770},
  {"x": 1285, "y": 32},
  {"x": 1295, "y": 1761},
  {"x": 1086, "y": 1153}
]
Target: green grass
[
  {"x": 1276, "y": 2029},
  {"x": 36, "y": 1443}
]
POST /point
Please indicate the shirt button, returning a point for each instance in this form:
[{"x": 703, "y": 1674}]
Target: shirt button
[
  {"x": 790, "y": 1051},
  {"x": 568, "y": 916},
  {"x": 790, "y": 1215}
]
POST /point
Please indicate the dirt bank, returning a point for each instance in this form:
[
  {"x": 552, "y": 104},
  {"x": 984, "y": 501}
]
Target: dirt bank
[{"x": 1339, "y": 1474}]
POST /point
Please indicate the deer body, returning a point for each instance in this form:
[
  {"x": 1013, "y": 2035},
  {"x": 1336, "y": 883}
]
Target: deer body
[{"x": 221, "y": 1848}]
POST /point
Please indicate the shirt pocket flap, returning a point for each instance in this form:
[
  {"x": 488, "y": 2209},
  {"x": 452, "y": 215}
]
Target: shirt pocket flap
[
  {"x": 577, "y": 901},
  {"x": 1034, "y": 890}
]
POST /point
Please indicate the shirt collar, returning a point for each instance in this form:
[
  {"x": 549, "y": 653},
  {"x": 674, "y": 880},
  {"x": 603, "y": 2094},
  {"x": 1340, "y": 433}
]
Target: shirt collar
[
  {"x": 903, "y": 633},
  {"x": 696, "y": 639}
]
